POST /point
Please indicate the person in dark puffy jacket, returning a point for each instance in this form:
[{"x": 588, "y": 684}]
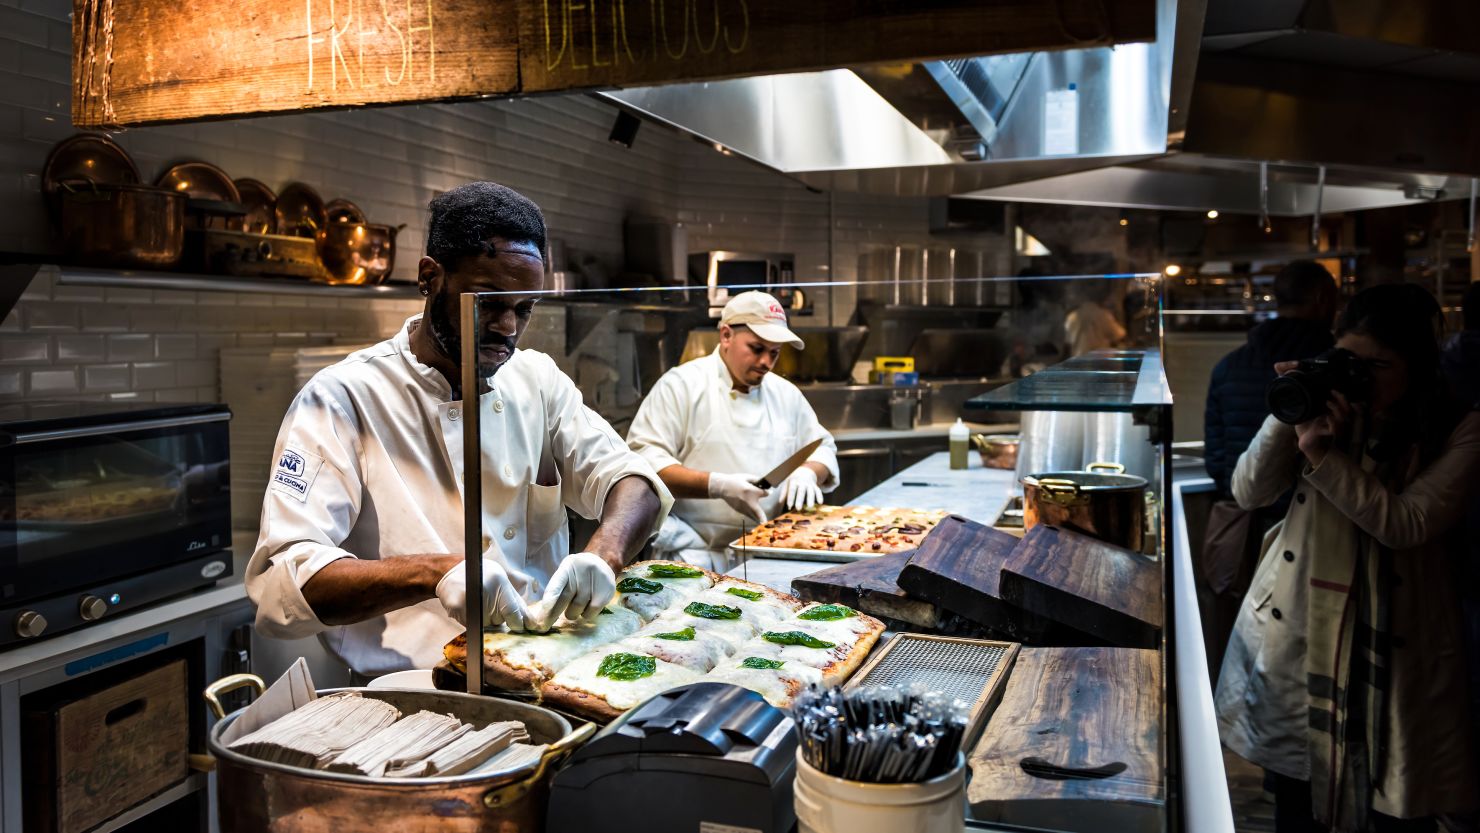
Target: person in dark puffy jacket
[{"x": 1305, "y": 297}]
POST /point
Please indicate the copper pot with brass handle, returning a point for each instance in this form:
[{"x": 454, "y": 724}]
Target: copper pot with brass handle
[
  {"x": 256, "y": 796},
  {"x": 1102, "y": 501}
]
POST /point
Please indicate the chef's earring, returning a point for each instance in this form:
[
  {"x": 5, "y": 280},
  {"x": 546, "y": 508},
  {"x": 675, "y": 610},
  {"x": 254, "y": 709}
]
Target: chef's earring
[{"x": 425, "y": 291}]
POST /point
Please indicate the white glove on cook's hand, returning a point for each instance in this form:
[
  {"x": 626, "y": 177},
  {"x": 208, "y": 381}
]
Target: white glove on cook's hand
[
  {"x": 501, "y": 603},
  {"x": 740, "y": 492},
  {"x": 583, "y": 584},
  {"x": 800, "y": 490}
]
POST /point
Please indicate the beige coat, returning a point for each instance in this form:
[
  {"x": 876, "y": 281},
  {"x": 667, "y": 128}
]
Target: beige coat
[{"x": 1262, "y": 700}]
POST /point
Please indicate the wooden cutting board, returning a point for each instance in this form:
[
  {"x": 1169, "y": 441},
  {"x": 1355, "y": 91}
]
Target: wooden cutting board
[
  {"x": 1076, "y": 743},
  {"x": 1109, "y": 593},
  {"x": 957, "y": 567},
  {"x": 872, "y": 586}
]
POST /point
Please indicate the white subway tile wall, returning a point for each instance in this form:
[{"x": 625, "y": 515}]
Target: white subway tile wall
[{"x": 391, "y": 161}]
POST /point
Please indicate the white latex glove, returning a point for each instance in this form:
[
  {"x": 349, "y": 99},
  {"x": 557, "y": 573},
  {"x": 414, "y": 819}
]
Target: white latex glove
[
  {"x": 501, "y": 603},
  {"x": 740, "y": 492},
  {"x": 583, "y": 584},
  {"x": 800, "y": 490}
]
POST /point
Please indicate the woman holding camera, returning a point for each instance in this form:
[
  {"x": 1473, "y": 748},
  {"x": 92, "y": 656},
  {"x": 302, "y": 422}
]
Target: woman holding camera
[{"x": 1345, "y": 675}]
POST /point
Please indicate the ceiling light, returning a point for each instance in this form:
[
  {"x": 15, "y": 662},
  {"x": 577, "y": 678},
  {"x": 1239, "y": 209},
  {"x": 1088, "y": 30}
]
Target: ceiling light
[
  {"x": 1212, "y": 214},
  {"x": 1124, "y": 221},
  {"x": 1173, "y": 270}
]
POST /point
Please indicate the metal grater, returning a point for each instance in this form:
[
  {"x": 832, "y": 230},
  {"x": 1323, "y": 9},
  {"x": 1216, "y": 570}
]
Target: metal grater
[{"x": 971, "y": 670}]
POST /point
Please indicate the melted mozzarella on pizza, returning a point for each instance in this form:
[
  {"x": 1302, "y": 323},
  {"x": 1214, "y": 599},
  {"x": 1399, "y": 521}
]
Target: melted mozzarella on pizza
[
  {"x": 761, "y": 612},
  {"x": 675, "y": 592},
  {"x": 848, "y": 629},
  {"x": 779, "y": 686},
  {"x": 733, "y": 632},
  {"x": 581, "y": 675},
  {"x": 699, "y": 654},
  {"x": 549, "y": 652}
]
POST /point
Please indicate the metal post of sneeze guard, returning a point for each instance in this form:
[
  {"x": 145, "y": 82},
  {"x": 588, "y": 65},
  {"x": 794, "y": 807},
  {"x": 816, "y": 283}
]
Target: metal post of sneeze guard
[{"x": 472, "y": 490}]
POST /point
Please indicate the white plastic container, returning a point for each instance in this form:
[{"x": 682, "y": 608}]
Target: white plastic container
[
  {"x": 826, "y": 804},
  {"x": 960, "y": 437}
]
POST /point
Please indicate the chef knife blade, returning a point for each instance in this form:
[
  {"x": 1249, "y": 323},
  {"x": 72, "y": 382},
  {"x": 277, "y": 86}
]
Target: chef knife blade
[{"x": 789, "y": 465}]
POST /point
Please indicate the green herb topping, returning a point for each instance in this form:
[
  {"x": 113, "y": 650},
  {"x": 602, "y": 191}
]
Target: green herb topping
[
  {"x": 805, "y": 640},
  {"x": 745, "y": 594},
  {"x": 627, "y": 667},
  {"x": 709, "y": 611},
  {"x": 605, "y": 611},
  {"x": 827, "y": 613},
  {"x": 761, "y": 662},
  {"x": 673, "y": 571},
  {"x": 685, "y": 635},
  {"x": 633, "y": 584}
]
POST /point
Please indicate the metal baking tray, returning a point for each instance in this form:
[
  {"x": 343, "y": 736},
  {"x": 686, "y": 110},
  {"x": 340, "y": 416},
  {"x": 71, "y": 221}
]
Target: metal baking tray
[
  {"x": 974, "y": 671},
  {"x": 745, "y": 551}
]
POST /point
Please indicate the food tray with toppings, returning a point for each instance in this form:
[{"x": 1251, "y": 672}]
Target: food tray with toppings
[{"x": 838, "y": 533}]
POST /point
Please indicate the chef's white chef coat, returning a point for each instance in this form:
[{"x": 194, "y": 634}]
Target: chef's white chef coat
[
  {"x": 694, "y": 417},
  {"x": 368, "y": 464}
]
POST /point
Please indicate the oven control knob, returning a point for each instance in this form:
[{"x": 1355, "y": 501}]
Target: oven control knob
[
  {"x": 29, "y": 624},
  {"x": 92, "y": 608}
]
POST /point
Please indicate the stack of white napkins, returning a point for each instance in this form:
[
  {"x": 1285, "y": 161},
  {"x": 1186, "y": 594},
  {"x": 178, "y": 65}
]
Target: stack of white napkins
[
  {"x": 468, "y": 749},
  {"x": 315, "y": 734}
]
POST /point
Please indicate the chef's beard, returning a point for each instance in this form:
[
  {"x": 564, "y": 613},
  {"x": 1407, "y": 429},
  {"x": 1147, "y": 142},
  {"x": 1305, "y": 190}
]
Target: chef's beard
[{"x": 449, "y": 343}]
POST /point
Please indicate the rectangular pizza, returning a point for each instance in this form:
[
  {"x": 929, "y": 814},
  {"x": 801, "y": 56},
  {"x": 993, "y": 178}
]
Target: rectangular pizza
[
  {"x": 863, "y": 530},
  {"x": 672, "y": 624},
  {"x": 522, "y": 662}
]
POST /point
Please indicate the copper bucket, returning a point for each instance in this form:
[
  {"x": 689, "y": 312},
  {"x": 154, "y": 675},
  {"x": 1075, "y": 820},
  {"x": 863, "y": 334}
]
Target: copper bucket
[{"x": 260, "y": 797}]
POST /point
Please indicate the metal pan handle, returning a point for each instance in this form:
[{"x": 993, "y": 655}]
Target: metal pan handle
[
  {"x": 553, "y": 757},
  {"x": 233, "y": 682},
  {"x": 1113, "y": 468}
]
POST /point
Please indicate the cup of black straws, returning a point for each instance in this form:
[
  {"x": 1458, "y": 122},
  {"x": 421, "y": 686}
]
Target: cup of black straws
[{"x": 879, "y": 759}]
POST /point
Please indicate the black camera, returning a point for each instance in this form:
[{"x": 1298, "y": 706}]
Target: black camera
[{"x": 1301, "y": 395}]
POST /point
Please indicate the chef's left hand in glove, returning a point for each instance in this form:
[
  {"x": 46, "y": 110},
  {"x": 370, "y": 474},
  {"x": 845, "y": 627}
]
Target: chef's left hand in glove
[
  {"x": 583, "y": 584},
  {"x": 800, "y": 490}
]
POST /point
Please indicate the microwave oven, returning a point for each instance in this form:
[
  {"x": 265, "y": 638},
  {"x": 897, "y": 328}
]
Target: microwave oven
[
  {"x": 724, "y": 273},
  {"x": 104, "y": 508}
]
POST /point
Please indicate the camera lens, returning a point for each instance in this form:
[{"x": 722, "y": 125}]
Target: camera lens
[{"x": 1293, "y": 398}]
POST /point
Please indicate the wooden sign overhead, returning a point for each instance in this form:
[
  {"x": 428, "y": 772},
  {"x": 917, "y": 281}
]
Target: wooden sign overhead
[{"x": 148, "y": 61}]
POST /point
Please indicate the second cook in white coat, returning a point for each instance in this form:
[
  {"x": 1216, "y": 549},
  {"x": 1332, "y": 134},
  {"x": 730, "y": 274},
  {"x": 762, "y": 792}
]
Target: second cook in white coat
[
  {"x": 362, "y": 524},
  {"x": 713, "y": 426}
]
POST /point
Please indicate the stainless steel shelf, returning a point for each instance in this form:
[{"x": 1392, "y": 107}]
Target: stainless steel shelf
[{"x": 137, "y": 279}]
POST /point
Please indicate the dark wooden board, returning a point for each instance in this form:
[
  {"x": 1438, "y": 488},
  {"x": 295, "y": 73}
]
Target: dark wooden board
[
  {"x": 870, "y": 585},
  {"x": 1065, "y": 713},
  {"x": 957, "y": 566},
  {"x": 1110, "y": 593},
  {"x": 149, "y": 61}
]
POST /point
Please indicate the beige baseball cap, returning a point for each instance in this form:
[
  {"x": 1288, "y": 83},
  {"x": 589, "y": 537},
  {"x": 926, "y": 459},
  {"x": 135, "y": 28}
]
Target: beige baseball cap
[{"x": 763, "y": 314}]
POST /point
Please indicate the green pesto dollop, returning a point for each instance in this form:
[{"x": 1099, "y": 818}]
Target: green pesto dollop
[
  {"x": 709, "y": 611},
  {"x": 806, "y": 640},
  {"x": 685, "y": 635},
  {"x": 827, "y": 613},
  {"x": 626, "y": 667},
  {"x": 761, "y": 662},
  {"x": 745, "y": 594},
  {"x": 633, "y": 584},
  {"x": 673, "y": 571}
]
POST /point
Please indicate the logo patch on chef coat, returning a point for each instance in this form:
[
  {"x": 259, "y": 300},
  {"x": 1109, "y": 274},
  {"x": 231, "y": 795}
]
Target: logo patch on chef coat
[{"x": 295, "y": 472}]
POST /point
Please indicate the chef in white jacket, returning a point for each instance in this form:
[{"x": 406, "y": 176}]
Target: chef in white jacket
[
  {"x": 362, "y": 526},
  {"x": 714, "y": 426}
]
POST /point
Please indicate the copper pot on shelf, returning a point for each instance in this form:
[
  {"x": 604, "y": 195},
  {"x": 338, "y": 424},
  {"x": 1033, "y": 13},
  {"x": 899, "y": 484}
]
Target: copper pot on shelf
[
  {"x": 121, "y": 225},
  {"x": 1101, "y": 501},
  {"x": 357, "y": 253}
]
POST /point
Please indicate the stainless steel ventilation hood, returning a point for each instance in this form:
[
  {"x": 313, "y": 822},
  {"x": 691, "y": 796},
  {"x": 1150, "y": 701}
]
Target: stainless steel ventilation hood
[{"x": 1136, "y": 125}]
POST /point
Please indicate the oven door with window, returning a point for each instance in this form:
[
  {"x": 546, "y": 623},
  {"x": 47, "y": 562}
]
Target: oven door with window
[{"x": 100, "y": 500}]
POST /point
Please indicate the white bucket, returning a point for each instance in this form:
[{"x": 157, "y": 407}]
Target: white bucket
[{"x": 827, "y": 804}]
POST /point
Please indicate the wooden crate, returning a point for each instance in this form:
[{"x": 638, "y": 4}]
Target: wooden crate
[{"x": 104, "y": 752}]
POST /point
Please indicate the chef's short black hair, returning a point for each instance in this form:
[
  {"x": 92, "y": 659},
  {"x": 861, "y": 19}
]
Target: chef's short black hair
[{"x": 466, "y": 218}]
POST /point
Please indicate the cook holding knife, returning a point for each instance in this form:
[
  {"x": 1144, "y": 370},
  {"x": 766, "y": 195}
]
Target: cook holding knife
[
  {"x": 362, "y": 525},
  {"x": 713, "y": 427}
]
